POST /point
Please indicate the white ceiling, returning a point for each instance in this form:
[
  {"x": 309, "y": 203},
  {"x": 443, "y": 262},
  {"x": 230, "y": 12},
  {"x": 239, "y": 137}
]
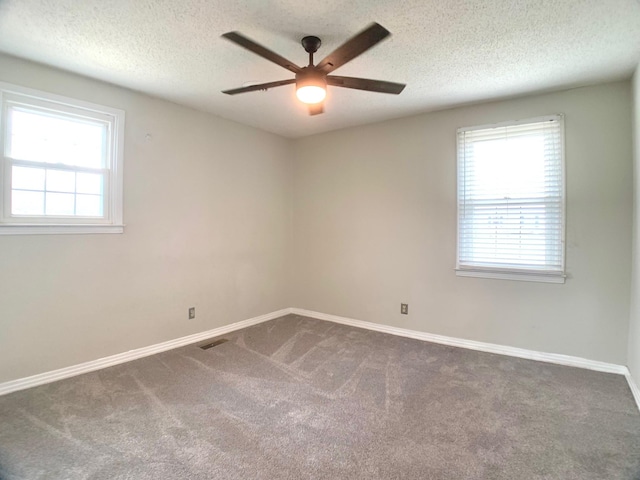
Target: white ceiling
[{"x": 448, "y": 52}]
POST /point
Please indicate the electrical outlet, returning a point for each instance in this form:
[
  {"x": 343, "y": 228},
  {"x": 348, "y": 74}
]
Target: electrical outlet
[
  {"x": 192, "y": 313},
  {"x": 404, "y": 308}
]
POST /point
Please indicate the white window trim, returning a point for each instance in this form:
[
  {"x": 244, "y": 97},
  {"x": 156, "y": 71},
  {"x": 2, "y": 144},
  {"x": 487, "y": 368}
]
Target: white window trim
[
  {"x": 59, "y": 225},
  {"x": 545, "y": 277},
  {"x": 515, "y": 274}
]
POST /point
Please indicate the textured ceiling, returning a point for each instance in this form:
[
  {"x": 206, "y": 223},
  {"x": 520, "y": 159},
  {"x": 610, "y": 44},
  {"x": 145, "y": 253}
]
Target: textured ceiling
[{"x": 448, "y": 52}]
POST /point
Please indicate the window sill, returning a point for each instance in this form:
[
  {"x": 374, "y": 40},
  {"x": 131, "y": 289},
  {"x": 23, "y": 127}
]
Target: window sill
[
  {"x": 53, "y": 229},
  {"x": 519, "y": 276}
]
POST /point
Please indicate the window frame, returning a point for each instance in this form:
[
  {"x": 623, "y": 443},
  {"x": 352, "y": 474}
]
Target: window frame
[
  {"x": 61, "y": 106},
  {"x": 507, "y": 273}
]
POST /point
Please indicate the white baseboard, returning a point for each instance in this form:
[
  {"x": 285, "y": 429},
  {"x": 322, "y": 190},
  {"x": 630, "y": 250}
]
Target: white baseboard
[
  {"x": 471, "y": 344},
  {"x": 52, "y": 376},
  {"x": 556, "y": 358},
  {"x": 635, "y": 391}
]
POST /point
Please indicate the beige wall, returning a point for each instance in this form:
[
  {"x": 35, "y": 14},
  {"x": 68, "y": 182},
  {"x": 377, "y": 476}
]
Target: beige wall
[
  {"x": 219, "y": 217},
  {"x": 634, "y": 325},
  {"x": 207, "y": 209},
  {"x": 375, "y": 225}
]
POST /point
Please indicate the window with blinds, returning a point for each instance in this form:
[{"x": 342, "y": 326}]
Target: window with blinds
[{"x": 511, "y": 200}]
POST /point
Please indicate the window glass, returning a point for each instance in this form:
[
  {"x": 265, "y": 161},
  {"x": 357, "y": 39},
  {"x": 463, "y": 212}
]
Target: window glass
[
  {"x": 511, "y": 197},
  {"x": 39, "y": 136},
  {"x": 62, "y": 164}
]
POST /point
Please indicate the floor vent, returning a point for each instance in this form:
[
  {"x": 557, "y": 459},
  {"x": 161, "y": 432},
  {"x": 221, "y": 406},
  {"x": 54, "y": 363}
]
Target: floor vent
[{"x": 209, "y": 345}]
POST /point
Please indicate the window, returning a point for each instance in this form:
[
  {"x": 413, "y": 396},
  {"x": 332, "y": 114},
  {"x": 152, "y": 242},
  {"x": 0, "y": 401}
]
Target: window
[
  {"x": 511, "y": 200},
  {"x": 61, "y": 166}
]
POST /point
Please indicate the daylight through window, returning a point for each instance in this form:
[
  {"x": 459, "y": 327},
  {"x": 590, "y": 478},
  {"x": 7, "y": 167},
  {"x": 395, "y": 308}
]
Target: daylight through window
[
  {"x": 62, "y": 164},
  {"x": 511, "y": 200}
]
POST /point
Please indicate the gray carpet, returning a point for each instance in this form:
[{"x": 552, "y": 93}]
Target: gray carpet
[{"x": 297, "y": 398}]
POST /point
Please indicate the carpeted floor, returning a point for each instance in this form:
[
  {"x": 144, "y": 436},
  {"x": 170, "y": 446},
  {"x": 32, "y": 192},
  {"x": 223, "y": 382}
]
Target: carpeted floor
[{"x": 297, "y": 398}]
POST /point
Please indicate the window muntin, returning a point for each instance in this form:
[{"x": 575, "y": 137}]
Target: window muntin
[
  {"x": 40, "y": 191},
  {"x": 61, "y": 164},
  {"x": 511, "y": 199}
]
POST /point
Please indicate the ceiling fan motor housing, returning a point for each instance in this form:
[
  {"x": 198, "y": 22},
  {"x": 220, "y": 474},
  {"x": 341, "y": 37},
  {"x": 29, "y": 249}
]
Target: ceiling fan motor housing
[{"x": 309, "y": 76}]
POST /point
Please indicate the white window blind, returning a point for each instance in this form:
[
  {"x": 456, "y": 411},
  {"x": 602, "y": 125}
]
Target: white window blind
[{"x": 511, "y": 200}]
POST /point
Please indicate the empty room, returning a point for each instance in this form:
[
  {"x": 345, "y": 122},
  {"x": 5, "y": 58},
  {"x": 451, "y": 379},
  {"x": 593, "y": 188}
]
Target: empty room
[{"x": 343, "y": 240}]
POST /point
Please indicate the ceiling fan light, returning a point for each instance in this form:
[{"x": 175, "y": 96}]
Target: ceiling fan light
[{"x": 311, "y": 94}]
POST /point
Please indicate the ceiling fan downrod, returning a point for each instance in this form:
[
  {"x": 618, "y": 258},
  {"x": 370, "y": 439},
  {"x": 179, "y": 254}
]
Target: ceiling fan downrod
[{"x": 311, "y": 45}]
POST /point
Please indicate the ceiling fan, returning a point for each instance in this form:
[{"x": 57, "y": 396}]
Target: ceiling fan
[{"x": 311, "y": 81}]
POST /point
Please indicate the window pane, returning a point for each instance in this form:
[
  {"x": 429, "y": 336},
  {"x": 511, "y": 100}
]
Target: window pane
[
  {"x": 61, "y": 181},
  {"x": 89, "y": 205},
  {"x": 27, "y": 178},
  {"x": 510, "y": 195},
  {"x": 62, "y": 160},
  {"x": 89, "y": 183},
  {"x": 60, "y": 204},
  {"x": 512, "y": 168},
  {"x": 41, "y": 137},
  {"x": 27, "y": 203}
]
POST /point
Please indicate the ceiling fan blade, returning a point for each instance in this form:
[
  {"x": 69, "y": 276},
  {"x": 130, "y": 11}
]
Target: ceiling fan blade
[
  {"x": 316, "y": 108},
  {"x": 353, "y": 47},
  {"x": 238, "y": 38},
  {"x": 261, "y": 86},
  {"x": 366, "y": 84}
]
